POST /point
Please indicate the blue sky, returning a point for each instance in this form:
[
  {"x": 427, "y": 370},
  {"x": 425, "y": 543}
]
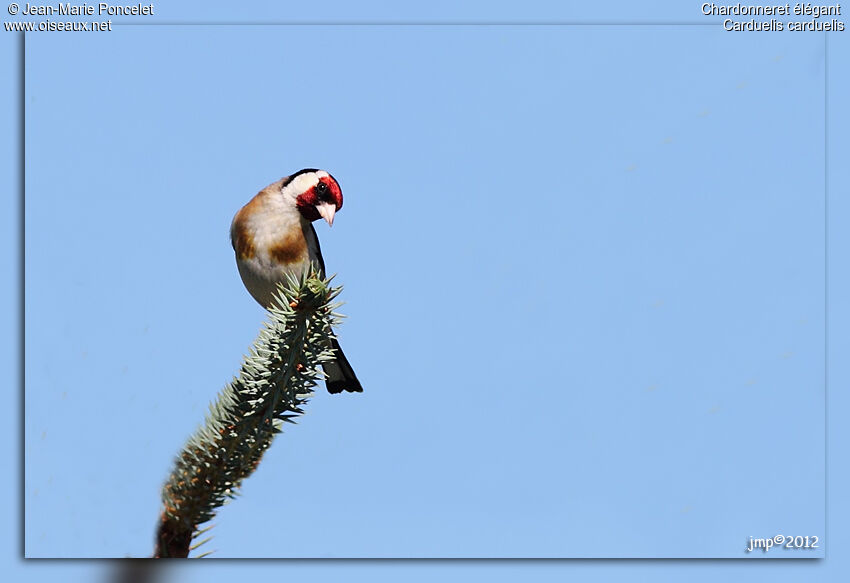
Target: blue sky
[{"x": 584, "y": 279}]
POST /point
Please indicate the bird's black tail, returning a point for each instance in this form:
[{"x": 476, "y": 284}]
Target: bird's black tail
[{"x": 341, "y": 376}]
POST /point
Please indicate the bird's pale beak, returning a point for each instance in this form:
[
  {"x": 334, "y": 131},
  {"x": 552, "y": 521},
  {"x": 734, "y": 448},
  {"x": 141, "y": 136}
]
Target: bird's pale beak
[{"x": 327, "y": 211}]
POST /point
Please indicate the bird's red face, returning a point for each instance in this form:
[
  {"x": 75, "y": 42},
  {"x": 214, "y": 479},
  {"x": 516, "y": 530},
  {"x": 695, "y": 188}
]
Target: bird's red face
[{"x": 322, "y": 200}]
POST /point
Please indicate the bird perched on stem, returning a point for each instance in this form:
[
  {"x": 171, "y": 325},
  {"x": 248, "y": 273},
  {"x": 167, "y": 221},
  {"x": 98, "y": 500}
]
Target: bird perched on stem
[{"x": 273, "y": 236}]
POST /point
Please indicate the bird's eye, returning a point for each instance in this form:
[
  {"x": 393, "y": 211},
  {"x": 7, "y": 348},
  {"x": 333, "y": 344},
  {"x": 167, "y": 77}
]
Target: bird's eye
[{"x": 321, "y": 187}]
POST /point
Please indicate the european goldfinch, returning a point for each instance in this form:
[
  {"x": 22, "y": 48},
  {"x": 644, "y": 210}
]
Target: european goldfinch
[{"x": 273, "y": 236}]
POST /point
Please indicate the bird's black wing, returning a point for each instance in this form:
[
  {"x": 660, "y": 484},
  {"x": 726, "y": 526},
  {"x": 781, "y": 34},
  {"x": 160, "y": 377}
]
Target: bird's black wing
[
  {"x": 341, "y": 376},
  {"x": 314, "y": 240}
]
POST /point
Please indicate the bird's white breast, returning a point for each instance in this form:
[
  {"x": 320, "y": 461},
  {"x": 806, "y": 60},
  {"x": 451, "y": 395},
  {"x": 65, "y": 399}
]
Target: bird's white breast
[{"x": 268, "y": 266}]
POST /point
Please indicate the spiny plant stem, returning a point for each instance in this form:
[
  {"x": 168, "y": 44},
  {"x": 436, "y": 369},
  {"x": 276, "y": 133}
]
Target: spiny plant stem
[{"x": 275, "y": 380}]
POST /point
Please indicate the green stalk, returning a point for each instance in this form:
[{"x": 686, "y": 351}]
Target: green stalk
[{"x": 275, "y": 380}]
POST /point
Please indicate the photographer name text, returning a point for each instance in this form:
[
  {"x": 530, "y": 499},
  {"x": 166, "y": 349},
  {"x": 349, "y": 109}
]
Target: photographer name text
[{"x": 85, "y": 9}]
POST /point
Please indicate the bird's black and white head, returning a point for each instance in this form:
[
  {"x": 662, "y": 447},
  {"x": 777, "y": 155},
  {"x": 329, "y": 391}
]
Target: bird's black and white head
[{"x": 316, "y": 193}]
